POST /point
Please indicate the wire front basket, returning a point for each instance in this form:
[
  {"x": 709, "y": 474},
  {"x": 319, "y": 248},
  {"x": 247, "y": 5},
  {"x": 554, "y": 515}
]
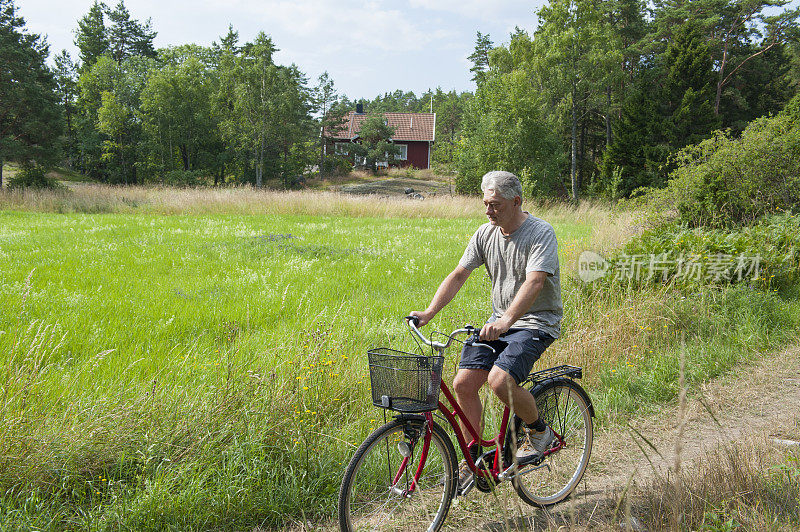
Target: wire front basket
[{"x": 403, "y": 381}]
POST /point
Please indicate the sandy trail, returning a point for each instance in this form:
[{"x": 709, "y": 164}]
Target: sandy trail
[{"x": 756, "y": 401}]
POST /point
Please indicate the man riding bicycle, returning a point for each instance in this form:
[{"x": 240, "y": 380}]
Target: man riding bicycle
[{"x": 520, "y": 253}]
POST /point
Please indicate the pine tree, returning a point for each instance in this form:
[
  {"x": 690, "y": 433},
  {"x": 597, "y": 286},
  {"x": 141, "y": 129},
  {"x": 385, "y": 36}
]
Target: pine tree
[
  {"x": 639, "y": 146},
  {"x": 67, "y": 90},
  {"x": 128, "y": 37},
  {"x": 376, "y": 145},
  {"x": 689, "y": 87},
  {"x": 91, "y": 37},
  {"x": 30, "y": 120},
  {"x": 480, "y": 57},
  {"x": 331, "y": 115}
]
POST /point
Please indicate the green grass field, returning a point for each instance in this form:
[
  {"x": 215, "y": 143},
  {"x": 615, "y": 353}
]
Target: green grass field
[{"x": 208, "y": 371}]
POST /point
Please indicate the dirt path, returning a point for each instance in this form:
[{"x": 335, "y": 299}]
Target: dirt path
[{"x": 758, "y": 401}]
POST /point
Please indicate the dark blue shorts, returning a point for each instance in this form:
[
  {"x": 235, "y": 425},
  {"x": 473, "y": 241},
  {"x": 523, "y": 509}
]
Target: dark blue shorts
[{"x": 515, "y": 353}]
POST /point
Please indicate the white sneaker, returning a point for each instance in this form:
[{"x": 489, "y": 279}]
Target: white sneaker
[{"x": 534, "y": 445}]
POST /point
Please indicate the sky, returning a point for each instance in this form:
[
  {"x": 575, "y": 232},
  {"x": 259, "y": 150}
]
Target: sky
[{"x": 367, "y": 47}]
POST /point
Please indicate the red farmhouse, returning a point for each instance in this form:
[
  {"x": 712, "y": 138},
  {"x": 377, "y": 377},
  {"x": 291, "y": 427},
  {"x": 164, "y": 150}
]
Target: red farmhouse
[{"x": 415, "y": 133}]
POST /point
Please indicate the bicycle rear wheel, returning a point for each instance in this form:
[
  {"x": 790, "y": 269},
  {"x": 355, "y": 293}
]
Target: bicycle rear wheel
[
  {"x": 565, "y": 407},
  {"x": 372, "y": 494}
]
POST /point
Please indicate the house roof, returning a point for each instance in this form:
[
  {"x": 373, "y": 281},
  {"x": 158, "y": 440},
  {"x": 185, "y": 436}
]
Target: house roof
[{"x": 407, "y": 126}]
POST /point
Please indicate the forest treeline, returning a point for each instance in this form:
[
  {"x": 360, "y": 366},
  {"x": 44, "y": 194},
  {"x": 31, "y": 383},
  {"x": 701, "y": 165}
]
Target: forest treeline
[{"x": 596, "y": 100}]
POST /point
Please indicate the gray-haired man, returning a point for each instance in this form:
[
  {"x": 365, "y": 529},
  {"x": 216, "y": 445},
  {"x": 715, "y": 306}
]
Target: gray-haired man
[{"x": 520, "y": 252}]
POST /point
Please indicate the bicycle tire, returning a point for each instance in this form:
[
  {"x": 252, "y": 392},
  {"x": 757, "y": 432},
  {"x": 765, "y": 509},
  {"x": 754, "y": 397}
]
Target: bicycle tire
[
  {"x": 566, "y": 407},
  {"x": 366, "y": 501}
]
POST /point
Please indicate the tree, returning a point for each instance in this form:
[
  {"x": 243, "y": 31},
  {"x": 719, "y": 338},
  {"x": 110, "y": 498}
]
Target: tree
[
  {"x": 128, "y": 37},
  {"x": 688, "y": 87},
  {"x": 30, "y": 119},
  {"x": 108, "y": 122},
  {"x": 114, "y": 119},
  {"x": 639, "y": 147},
  {"x": 574, "y": 44},
  {"x": 295, "y": 127},
  {"x": 375, "y": 144},
  {"x": 670, "y": 107},
  {"x": 331, "y": 115},
  {"x": 746, "y": 16},
  {"x": 737, "y": 32},
  {"x": 504, "y": 127},
  {"x": 794, "y": 71},
  {"x": 480, "y": 57},
  {"x": 449, "y": 108},
  {"x": 178, "y": 117},
  {"x": 91, "y": 37},
  {"x": 247, "y": 79},
  {"x": 761, "y": 87},
  {"x": 264, "y": 110},
  {"x": 65, "y": 74}
]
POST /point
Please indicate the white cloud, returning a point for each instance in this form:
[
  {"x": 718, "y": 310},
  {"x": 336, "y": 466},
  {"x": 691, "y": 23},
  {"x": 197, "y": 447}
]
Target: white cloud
[
  {"x": 341, "y": 26},
  {"x": 486, "y": 10}
]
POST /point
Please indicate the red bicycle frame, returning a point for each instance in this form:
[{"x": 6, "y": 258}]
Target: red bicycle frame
[{"x": 498, "y": 442}]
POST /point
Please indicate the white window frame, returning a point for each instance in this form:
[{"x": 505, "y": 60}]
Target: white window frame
[{"x": 403, "y": 155}]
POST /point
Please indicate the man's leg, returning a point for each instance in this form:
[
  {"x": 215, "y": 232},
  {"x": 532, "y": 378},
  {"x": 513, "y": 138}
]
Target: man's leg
[
  {"x": 466, "y": 385},
  {"x": 538, "y": 436},
  {"x": 513, "y": 395}
]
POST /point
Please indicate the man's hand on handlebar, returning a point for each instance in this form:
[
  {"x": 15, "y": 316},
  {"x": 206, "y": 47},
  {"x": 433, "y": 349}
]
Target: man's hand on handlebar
[
  {"x": 492, "y": 331},
  {"x": 422, "y": 316}
]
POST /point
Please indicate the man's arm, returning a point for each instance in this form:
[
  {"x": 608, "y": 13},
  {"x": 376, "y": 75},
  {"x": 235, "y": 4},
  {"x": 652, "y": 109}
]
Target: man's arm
[
  {"x": 444, "y": 294},
  {"x": 527, "y": 294}
]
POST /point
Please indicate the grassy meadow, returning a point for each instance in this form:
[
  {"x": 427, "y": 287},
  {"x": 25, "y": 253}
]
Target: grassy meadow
[{"x": 196, "y": 359}]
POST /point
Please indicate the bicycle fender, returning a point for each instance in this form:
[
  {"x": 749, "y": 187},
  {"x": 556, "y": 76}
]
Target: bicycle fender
[
  {"x": 546, "y": 383},
  {"x": 414, "y": 418}
]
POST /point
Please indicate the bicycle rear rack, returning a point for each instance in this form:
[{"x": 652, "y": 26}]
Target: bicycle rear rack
[{"x": 564, "y": 370}]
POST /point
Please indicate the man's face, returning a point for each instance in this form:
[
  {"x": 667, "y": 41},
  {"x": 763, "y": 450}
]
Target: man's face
[{"x": 499, "y": 210}]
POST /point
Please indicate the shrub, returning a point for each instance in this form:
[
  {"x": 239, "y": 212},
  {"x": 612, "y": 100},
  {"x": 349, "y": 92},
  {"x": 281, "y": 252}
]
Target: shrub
[
  {"x": 730, "y": 182},
  {"x": 335, "y": 165},
  {"x": 765, "y": 255},
  {"x": 33, "y": 177}
]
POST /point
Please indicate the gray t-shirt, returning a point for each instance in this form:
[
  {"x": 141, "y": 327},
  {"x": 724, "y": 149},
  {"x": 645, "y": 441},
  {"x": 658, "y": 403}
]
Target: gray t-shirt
[{"x": 532, "y": 247}]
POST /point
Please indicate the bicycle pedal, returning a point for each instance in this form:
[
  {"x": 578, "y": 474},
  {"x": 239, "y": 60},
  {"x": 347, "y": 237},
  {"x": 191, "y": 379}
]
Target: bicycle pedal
[{"x": 462, "y": 492}]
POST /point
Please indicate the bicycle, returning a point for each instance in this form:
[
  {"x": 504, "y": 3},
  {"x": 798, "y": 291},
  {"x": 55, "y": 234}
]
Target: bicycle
[{"x": 405, "y": 475}]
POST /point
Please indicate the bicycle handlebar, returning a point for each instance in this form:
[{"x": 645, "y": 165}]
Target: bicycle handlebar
[{"x": 412, "y": 322}]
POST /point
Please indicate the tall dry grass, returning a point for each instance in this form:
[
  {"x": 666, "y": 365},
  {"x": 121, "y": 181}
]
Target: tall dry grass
[
  {"x": 750, "y": 485},
  {"x": 98, "y": 198}
]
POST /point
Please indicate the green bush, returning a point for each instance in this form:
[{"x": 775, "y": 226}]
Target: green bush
[
  {"x": 335, "y": 165},
  {"x": 33, "y": 177},
  {"x": 731, "y": 182},
  {"x": 764, "y": 256}
]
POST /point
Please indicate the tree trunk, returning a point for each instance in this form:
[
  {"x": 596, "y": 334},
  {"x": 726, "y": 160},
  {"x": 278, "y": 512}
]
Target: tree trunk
[
  {"x": 2, "y": 162},
  {"x": 581, "y": 153},
  {"x": 184, "y": 157},
  {"x": 721, "y": 78},
  {"x": 285, "y": 164},
  {"x": 322, "y": 152},
  {"x": 574, "y": 162},
  {"x": 608, "y": 117}
]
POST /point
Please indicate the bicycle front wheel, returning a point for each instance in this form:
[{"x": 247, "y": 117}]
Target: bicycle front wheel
[
  {"x": 565, "y": 407},
  {"x": 375, "y": 489}
]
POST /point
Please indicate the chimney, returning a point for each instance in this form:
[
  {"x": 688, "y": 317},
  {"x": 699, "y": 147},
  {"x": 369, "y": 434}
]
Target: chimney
[{"x": 359, "y": 108}]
